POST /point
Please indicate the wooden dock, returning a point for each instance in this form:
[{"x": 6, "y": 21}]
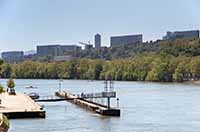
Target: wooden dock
[
  {"x": 89, "y": 105},
  {"x": 20, "y": 106}
]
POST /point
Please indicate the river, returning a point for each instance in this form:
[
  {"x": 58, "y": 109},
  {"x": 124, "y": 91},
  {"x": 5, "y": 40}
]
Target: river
[{"x": 145, "y": 107}]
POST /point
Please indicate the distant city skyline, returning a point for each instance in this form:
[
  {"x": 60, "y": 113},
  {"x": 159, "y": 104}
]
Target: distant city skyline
[{"x": 26, "y": 24}]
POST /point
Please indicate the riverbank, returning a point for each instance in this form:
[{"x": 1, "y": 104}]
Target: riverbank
[{"x": 4, "y": 123}]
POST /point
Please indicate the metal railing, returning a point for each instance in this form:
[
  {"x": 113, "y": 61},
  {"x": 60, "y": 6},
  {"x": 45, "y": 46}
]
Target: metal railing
[{"x": 97, "y": 95}]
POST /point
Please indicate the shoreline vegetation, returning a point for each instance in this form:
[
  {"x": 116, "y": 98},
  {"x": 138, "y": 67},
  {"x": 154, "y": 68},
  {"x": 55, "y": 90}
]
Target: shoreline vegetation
[{"x": 175, "y": 61}]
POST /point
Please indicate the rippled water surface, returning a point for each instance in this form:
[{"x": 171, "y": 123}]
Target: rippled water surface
[{"x": 145, "y": 107}]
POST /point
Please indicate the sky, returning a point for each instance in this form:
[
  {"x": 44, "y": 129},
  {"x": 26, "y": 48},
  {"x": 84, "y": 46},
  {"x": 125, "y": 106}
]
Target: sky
[{"x": 27, "y": 23}]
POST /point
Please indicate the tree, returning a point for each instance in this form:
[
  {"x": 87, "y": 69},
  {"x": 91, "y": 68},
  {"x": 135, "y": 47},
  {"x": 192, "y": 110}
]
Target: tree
[
  {"x": 1, "y": 89},
  {"x": 11, "y": 85},
  {"x": 1, "y": 62},
  {"x": 195, "y": 68},
  {"x": 160, "y": 72},
  {"x": 182, "y": 72},
  {"x": 5, "y": 70}
]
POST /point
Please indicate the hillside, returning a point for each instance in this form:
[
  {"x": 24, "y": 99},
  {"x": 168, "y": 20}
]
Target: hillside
[
  {"x": 179, "y": 47},
  {"x": 163, "y": 61}
]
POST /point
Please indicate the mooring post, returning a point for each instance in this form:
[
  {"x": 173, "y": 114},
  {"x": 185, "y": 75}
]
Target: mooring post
[
  {"x": 59, "y": 87},
  {"x": 106, "y": 86},
  {"x": 111, "y": 86},
  {"x": 108, "y": 103},
  {"x": 60, "y": 81},
  {"x": 117, "y": 102}
]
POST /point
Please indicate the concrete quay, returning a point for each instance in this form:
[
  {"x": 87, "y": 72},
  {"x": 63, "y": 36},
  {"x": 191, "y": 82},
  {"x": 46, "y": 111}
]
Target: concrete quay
[
  {"x": 20, "y": 106},
  {"x": 89, "y": 105}
]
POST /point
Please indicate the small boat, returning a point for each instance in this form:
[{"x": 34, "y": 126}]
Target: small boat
[
  {"x": 31, "y": 87},
  {"x": 34, "y": 95}
]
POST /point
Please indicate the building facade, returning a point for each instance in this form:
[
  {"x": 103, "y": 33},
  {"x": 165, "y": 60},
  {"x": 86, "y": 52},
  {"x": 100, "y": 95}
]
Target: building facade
[
  {"x": 69, "y": 49},
  {"x": 97, "y": 41},
  {"x": 13, "y": 56},
  {"x": 57, "y": 50},
  {"x": 88, "y": 47},
  {"x": 116, "y": 41},
  {"x": 48, "y": 50},
  {"x": 181, "y": 35},
  {"x": 63, "y": 58}
]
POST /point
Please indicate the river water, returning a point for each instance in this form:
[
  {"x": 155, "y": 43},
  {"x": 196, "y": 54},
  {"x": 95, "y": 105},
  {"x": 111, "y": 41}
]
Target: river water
[{"x": 145, "y": 107}]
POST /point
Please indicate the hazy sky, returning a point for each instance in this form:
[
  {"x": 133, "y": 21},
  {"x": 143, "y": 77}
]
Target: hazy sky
[{"x": 26, "y": 23}]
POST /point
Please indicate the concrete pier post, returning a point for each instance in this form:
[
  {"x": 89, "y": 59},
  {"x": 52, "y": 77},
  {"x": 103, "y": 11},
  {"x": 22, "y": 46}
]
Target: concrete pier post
[
  {"x": 108, "y": 103},
  {"x": 117, "y": 102}
]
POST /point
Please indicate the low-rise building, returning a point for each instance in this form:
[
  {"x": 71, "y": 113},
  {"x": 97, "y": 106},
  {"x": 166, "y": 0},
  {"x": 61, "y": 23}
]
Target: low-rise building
[
  {"x": 48, "y": 50},
  {"x": 13, "y": 56},
  {"x": 69, "y": 50},
  {"x": 181, "y": 35},
  {"x": 116, "y": 41},
  {"x": 88, "y": 47},
  {"x": 57, "y": 50}
]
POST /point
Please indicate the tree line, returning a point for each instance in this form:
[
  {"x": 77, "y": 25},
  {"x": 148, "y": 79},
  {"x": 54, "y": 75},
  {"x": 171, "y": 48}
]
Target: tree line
[{"x": 146, "y": 67}]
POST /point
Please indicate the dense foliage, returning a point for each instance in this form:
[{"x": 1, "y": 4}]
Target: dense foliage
[
  {"x": 181, "y": 47},
  {"x": 1, "y": 89},
  {"x": 145, "y": 67},
  {"x": 10, "y": 83}
]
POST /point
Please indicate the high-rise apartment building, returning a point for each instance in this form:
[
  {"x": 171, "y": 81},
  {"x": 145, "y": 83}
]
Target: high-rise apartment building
[{"x": 97, "y": 42}]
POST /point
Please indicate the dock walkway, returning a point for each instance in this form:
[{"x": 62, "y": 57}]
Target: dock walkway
[
  {"x": 20, "y": 106},
  {"x": 92, "y": 106}
]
